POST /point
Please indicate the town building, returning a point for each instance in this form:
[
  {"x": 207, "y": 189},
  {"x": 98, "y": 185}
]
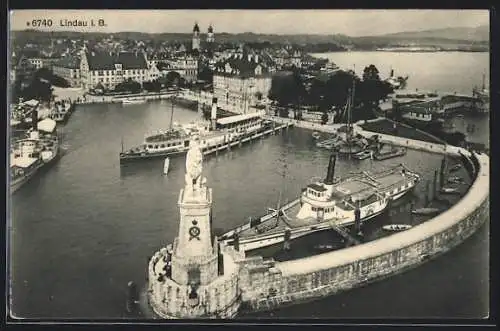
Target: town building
[
  {"x": 69, "y": 69},
  {"x": 241, "y": 82},
  {"x": 109, "y": 69}
]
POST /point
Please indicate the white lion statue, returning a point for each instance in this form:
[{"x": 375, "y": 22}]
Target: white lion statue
[{"x": 194, "y": 162}]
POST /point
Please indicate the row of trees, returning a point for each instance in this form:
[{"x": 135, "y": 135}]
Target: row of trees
[{"x": 331, "y": 93}]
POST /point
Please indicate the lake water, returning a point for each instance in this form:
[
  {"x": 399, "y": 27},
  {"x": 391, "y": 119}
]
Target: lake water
[{"x": 84, "y": 228}]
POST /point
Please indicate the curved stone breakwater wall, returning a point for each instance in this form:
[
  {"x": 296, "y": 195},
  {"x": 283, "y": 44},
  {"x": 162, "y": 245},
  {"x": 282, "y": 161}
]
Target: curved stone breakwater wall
[{"x": 267, "y": 284}]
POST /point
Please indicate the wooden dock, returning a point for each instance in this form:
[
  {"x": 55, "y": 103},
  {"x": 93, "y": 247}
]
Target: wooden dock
[{"x": 238, "y": 143}]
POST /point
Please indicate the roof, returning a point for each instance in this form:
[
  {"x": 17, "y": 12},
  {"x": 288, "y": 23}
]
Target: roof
[
  {"x": 316, "y": 187},
  {"x": 107, "y": 60},
  {"x": 241, "y": 67},
  {"x": 23, "y": 162},
  {"x": 237, "y": 118},
  {"x": 31, "y": 103},
  {"x": 69, "y": 62},
  {"x": 47, "y": 125}
]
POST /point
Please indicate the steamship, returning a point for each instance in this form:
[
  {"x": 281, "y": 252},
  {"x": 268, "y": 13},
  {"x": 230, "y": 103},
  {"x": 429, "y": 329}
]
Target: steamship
[
  {"x": 333, "y": 203},
  {"x": 176, "y": 139},
  {"x": 28, "y": 155}
]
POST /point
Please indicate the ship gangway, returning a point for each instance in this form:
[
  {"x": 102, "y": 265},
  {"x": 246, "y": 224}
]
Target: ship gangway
[{"x": 344, "y": 233}]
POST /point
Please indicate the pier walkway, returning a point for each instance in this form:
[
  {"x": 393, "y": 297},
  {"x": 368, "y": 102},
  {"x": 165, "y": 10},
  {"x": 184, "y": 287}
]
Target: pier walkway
[{"x": 238, "y": 143}]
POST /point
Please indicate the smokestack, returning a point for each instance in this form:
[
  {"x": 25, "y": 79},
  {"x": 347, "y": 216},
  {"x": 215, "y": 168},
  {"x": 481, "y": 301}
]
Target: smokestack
[
  {"x": 213, "y": 116},
  {"x": 392, "y": 72},
  {"x": 331, "y": 170},
  {"x": 34, "y": 119}
]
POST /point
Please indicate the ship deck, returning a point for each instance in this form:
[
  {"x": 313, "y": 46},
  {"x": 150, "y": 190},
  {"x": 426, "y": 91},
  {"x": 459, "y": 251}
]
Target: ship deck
[
  {"x": 287, "y": 220},
  {"x": 363, "y": 185}
]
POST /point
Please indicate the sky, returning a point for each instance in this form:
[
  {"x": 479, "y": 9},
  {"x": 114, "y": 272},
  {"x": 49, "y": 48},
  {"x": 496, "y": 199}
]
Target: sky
[{"x": 348, "y": 22}]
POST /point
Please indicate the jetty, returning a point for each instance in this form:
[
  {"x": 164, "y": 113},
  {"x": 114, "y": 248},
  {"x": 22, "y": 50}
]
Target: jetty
[{"x": 259, "y": 135}]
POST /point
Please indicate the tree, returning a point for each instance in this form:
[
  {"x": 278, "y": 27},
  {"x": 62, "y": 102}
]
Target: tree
[
  {"x": 128, "y": 86},
  {"x": 371, "y": 73},
  {"x": 288, "y": 90},
  {"x": 372, "y": 89},
  {"x": 324, "y": 118},
  {"x": 206, "y": 75},
  {"x": 173, "y": 78}
]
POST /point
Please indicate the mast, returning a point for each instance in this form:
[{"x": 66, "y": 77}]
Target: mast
[{"x": 172, "y": 112}]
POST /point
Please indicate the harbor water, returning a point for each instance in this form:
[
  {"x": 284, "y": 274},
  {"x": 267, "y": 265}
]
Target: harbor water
[{"x": 84, "y": 228}]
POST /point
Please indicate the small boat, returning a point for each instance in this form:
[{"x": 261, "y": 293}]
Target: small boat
[
  {"x": 449, "y": 190},
  {"x": 316, "y": 135},
  {"x": 131, "y": 101},
  {"x": 166, "y": 166},
  {"x": 455, "y": 180},
  {"x": 396, "y": 227},
  {"x": 324, "y": 247},
  {"x": 456, "y": 167},
  {"x": 426, "y": 211},
  {"x": 362, "y": 155},
  {"x": 394, "y": 152}
]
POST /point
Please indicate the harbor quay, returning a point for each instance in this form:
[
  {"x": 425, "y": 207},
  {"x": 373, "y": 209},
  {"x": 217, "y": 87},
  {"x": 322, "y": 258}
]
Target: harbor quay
[{"x": 199, "y": 276}]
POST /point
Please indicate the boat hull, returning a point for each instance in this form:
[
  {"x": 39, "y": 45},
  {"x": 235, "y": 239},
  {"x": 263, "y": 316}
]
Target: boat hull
[{"x": 264, "y": 240}]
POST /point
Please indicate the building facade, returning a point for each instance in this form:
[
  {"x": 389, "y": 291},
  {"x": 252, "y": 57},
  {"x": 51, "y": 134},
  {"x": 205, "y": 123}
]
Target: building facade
[
  {"x": 69, "y": 69},
  {"x": 109, "y": 69},
  {"x": 241, "y": 82}
]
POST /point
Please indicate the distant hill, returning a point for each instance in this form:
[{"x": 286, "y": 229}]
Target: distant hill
[
  {"x": 448, "y": 37},
  {"x": 478, "y": 34}
]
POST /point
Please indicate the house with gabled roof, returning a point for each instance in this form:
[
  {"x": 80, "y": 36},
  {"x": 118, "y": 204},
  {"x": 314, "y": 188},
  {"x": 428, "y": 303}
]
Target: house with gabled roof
[
  {"x": 69, "y": 69},
  {"x": 110, "y": 68},
  {"x": 241, "y": 81}
]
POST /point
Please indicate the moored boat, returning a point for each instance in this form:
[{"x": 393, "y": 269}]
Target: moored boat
[
  {"x": 332, "y": 203},
  {"x": 455, "y": 167},
  {"x": 392, "y": 153},
  {"x": 363, "y": 155},
  {"x": 133, "y": 100},
  {"x": 166, "y": 166},
  {"x": 30, "y": 154},
  {"x": 176, "y": 140},
  {"x": 426, "y": 211},
  {"x": 396, "y": 227},
  {"x": 450, "y": 190}
]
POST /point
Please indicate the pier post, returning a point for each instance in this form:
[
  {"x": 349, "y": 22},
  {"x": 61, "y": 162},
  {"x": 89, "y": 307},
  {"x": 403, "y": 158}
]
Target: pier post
[
  {"x": 132, "y": 296},
  {"x": 442, "y": 172},
  {"x": 436, "y": 190},
  {"x": 357, "y": 222},
  {"x": 426, "y": 198},
  {"x": 237, "y": 241},
  {"x": 286, "y": 243}
]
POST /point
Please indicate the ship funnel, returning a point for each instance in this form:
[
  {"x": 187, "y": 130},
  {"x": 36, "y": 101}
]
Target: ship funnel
[
  {"x": 34, "y": 119},
  {"x": 392, "y": 73},
  {"x": 331, "y": 170},
  {"x": 213, "y": 117}
]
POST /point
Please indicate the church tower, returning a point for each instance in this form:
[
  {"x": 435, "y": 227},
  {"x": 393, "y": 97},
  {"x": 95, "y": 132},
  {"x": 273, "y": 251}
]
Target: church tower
[
  {"x": 210, "y": 35},
  {"x": 196, "y": 37}
]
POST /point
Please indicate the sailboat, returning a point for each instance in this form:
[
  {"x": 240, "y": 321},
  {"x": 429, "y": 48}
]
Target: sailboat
[
  {"x": 166, "y": 166},
  {"x": 351, "y": 145}
]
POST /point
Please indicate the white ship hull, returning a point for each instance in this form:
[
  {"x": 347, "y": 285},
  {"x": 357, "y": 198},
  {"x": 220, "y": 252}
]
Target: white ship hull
[
  {"x": 277, "y": 238},
  {"x": 260, "y": 241}
]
